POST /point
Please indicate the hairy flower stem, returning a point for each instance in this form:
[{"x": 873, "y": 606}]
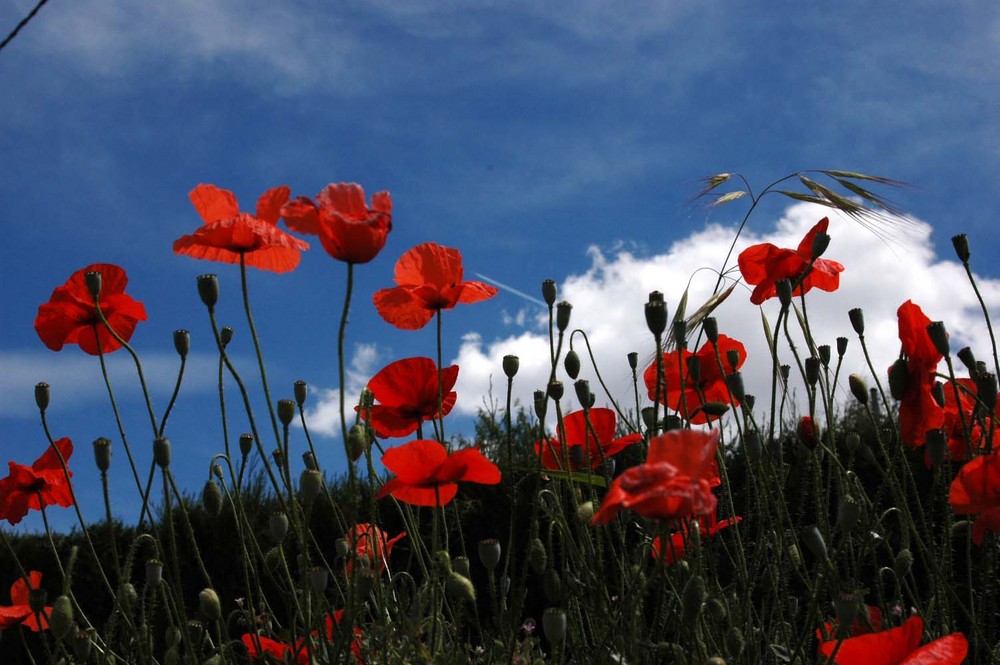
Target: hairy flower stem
[
  {"x": 256, "y": 345},
  {"x": 440, "y": 381},
  {"x": 341, "y": 335}
]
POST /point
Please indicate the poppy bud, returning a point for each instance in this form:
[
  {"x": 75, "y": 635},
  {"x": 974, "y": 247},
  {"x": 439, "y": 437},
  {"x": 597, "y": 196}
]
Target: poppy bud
[
  {"x": 711, "y": 327},
  {"x": 211, "y": 498},
  {"x": 656, "y": 317},
  {"x": 820, "y": 242},
  {"x": 554, "y": 624},
  {"x": 692, "y": 599},
  {"x": 541, "y": 404},
  {"x": 563, "y": 311},
  {"x": 714, "y": 409},
  {"x": 286, "y": 411},
  {"x": 841, "y": 346},
  {"x": 196, "y": 633},
  {"x": 182, "y": 342},
  {"x": 655, "y": 296},
  {"x": 939, "y": 337},
  {"x": 555, "y": 390},
  {"x": 733, "y": 358},
  {"x": 968, "y": 359},
  {"x": 572, "y": 364},
  {"x": 848, "y": 513},
  {"x": 61, "y": 617},
  {"x": 717, "y": 609},
  {"x": 824, "y": 354},
  {"x": 319, "y": 577},
  {"x": 716, "y": 660},
  {"x": 735, "y": 641},
  {"x": 858, "y": 388},
  {"x": 209, "y": 605},
  {"x": 582, "y": 388},
  {"x": 279, "y": 458},
  {"x": 812, "y": 370},
  {"x": 937, "y": 446},
  {"x": 845, "y": 606},
  {"x": 784, "y": 371},
  {"x": 511, "y": 364},
  {"x": 246, "y": 444},
  {"x": 310, "y": 461},
  {"x": 693, "y": 364},
  {"x": 127, "y": 595},
  {"x": 734, "y": 382},
  {"x": 549, "y": 292},
  {"x": 102, "y": 454},
  {"x": 537, "y": 556},
  {"x": 679, "y": 328},
  {"x": 751, "y": 444},
  {"x": 961, "y": 245},
  {"x": 552, "y": 586},
  {"x": 813, "y": 539},
  {"x": 82, "y": 644},
  {"x": 857, "y": 316},
  {"x": 93, "y": 281},
  {"x": 986, "y": 389},
  {"x": 358, "y": 441},
  {"x": 42, "y": 396},
  {"x": 902, "y": 563},
  {"x": 784, "y": 289},
  {"x": 937, "y": 392},
  {"x": 647, "y": 414},
  {"x": 459, "y": 588},
  {"x": 208, "y": 289},
  {"x": 226, "y": 335},
  {"x": 277, "y": 524},
  {"x": 310, "y": 485},
  {"x": 748, "y": 401},
  {"x": 899, "y": 379},
  {"x": 808, "y": 432},
  {"x": 161, "y": 452},
  {"x": 299, "y": 390},
  {"x": 154, "y": 572},
  {"x": 460, "y": 565},
  {"x": 633, "y": 360},
  {"x": 489, "y": 553},
  {"x": 585, "y": 512}
]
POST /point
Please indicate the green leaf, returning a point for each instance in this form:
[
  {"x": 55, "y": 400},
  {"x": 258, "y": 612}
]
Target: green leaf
[{"x": 594, "y": 479}]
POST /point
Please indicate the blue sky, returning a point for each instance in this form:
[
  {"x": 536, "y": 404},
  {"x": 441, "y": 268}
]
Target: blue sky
[{"x": 544, "y": 140}]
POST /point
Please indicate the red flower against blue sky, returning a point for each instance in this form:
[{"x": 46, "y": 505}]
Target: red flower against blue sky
[
  {"x": 426, "y": 475},
  {"x": 918, "y": 410},
  {"x": 70, "y": 316},
  {"x": 429, "y": 279},
  {"x": 764, "y": 265},
  {"x": 976, "y": 491},
  {"x": 44, "y": 483},
  {"x": 230, "y": 236},
  {"x": 592, "y": 449},
  {"x": 349, "y": 230},
  {"x": 407, "y": 392}
]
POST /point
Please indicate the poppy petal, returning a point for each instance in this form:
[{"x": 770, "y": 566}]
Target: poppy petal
[
  {"x": 415, "y": 462},
  {"x": 213, "y": 203},
  {"x": 270, "y": 203}
]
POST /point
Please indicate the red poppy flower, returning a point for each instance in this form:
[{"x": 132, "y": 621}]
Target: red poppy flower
[
  {"x": 229, "y": 234},
  {"x": 918, "y": 410},
  {"x": 70, "y": 317},
  {"x": 349, "y": 230},
  {"x": 764, "y": 265},
  {"x": 580, "y": 439},
  {"x": 426, "y": 475},
  {"x": 675, "y": 481},
  {"x": 898, "y": 646},
  {"x": 430, "y": 279},
  {"x": 677, "y": 548},
  {"x": 976, "y": 491},
  {"x": 367, "y": 540},
  {"x": 44, "y": 483},
  {"x": 407, "y": 391},
  {"x": 19, "y": 611},
  {"x": 960, "y": 414},
  {"x": 263, "y": 649},
  {"x": 870, "y": 623},
  {"x": 708, "y": 385}
]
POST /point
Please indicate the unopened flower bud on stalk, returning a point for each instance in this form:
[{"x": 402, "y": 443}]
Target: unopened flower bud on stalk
[
  {"x": 841, "y": 346},
  {"x": 937, "y": 392},
  {"x": 572, "y": 364},
  {"x": 734, "y": 382},
  {"x": 209, "y": 605},
  {"x": 549, "y": 292},
  {"x": 61, "y": 617},
  {"x": 679, "y": 327},
  {"x": 899, "y": 378},
  {"x": 42, "y": 396},
  {"x": 656, "y": 317},
  {"x": 711, "y": 327},
  {"x": 211, "y": 498},
  {"x": 692, "y": 599},
  {"x": 693, "y": 365},
  {"x": 857, "y": 316},
  {"x": 563, "y": 311},
  {"x": 961, "y": 244},
  {"x": 633, "y": 360},
  {"x": 358, "y": 441},
  {"x": 299, "y": 391},
  {"x": 277, "y": 524},
  {"x": 858, "y": 388},
  {"x": 939, "y": 337},
  {"x": 226, "y": 335},
  {"x": 784, "y": 289},
  {"x": 824, "y": 354},
  {"x": 208, "y": 289},
  {"x": 310, "y": 485},
  {"x": 554, "y": 624},
  {"x": 556, "y": 390},
  {"x": 541, "y": 404},
  {"x": 812, "y": 370},
  {"x": 161, "y": 452},
  {"x": 733, "y": 359},
  {"x": 182, "y": 342},
  {"x": 820, "y": 243},
  {"x": 511, "y": 364},
  {"x": 94, "y": 282}
]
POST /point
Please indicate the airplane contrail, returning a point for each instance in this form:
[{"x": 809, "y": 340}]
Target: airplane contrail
[{"x": 512, "y": 290}]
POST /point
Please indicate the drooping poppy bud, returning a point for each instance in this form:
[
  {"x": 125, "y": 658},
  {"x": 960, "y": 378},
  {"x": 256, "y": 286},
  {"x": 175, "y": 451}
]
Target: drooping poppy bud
[
  {"x": 572, "y": 364},
  {"x": 161, "y": 452}
]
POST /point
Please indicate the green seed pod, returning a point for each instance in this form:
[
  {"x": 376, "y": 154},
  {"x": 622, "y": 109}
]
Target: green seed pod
[
  {"x": 857, "y": 316},
  {"x": 711, "y": 327},
  {"x": 824, "y": 354},
  {"x": 102, "y": 454},
  {"x": 633, "y": 360},
  {"x": 286, "y": 411},
  {"x": 460, "y": 565},
  {"x": 554, "y": 624},
  {"x": 537, "y": 556},
  {"x": 277, "y": 524},
  {"x": 736, "y": 387},
  {"x": 858, "y": 388},
  {"x": 511, "y": 364},
  {"x": 714, "y": 409},
  {"x": 563, "y": 311},
  {"x": 541, "y": 404},
  {"x": 310, "y": 485},
  {"x": 899, "y": 379},
  {"x": 82, "y": 644},
  {"x": 489, "y": 553},
  {"x": 94, "y": 281},
  {"x": 226, "y": 335},
  {"x": 679, "y": 329},
  {"x": 656, "y": 317},
  {"x": 208, "y": 290},
  {"x": 319, "y": 577},
  {"x": 572, "y": 364},
  {"x": 692, "y": 599},
  {"x": 460, "y": 588},
  {"x": 182, "y": 342},
  {"x": 61, "y": 618},
  {"x": 841, "y": 346},
  {"x": 549, "y": 292},
  {"x": 246, "y": 444},
  {"x": 556, "y": 390},
  {"x": 42, "y": 394},
  {"x": 209, "y": 605},
  {"x": 358, "y": 441},
  {"x": 784, "y": 289},
  {"x": 161, "y": 452},
  {"x": 812, "y": 370},
  {"x": 961, "y": 244},
  {"x": 211, "y": 498},
  {"x": 154, "y": 572}
]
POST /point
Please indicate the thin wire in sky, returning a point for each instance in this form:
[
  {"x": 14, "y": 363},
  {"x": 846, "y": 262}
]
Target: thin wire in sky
[
  {"x": 23, "y": 23},
  {"x": 516, "y": 292}
]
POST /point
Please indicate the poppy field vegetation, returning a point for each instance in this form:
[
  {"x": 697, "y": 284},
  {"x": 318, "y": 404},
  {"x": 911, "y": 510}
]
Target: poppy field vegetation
[{"x": 693, "y": 519}]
